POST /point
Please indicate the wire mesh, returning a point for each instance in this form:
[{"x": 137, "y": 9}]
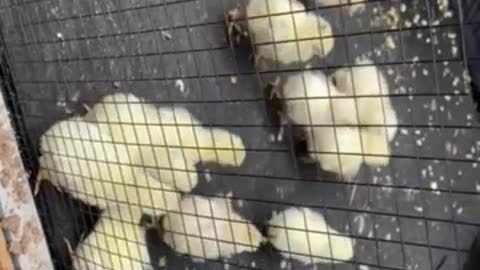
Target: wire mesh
[{"x": 60, "y": 58}]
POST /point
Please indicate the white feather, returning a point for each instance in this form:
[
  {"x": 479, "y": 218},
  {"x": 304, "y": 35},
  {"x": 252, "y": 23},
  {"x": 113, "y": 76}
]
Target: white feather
[
  {"x": 296, "y": 37},
  {"x": 117, "y": 242},
  {"x": 209, "y": 228},
  {"x": 168, "y": 141},
  {"x": 82, "y": 160},
  {"x": 303, "y": 234}
]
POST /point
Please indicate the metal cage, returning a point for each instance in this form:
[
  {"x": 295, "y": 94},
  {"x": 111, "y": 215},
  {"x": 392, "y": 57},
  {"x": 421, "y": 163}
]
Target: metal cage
[{"x": 422, "y": 211}]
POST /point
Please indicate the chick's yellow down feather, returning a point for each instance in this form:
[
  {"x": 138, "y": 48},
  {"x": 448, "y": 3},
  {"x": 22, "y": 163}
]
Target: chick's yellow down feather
[
  {"x": 168, "y": 141},
  {"x": 337, "y": 149},
  {"x": 273, "y": 7},
  {"x": 343, "y": 149},
  {"x": 283, "y": 31},
  {"x": 79, "y": 158},
  {"x": 311, "y": 99},
  {"x": 376, "y": 146},
  {"x": 371, "y": 89},
  {"x": 330, "y": 120},
  {"x": 368, "y": 84},
  {"x": 209, "y": 228},
  {"x": 117, "y": 242},
  {"x": 303, "y": 234}
]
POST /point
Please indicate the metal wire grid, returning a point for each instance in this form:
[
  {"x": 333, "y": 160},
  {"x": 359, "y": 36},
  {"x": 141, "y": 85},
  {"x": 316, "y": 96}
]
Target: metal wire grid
[{"x": 35, "y": 36}]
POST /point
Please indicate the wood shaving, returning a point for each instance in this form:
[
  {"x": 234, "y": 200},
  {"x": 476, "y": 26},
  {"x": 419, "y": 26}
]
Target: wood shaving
[
  {"x": 15, "y": 248},
  {"x": 166, "y": 35},
  {"x": 20, "y": 191},
  {"x": 22, "y": 225},
  {"x": 390, "y": 43},
  {"x": 32, "y": 232},
  {"x": 11, "y": 223},
  {"x": 31, "y": 236},
  {"x": 393, "y": 18},
  {"x": 7, "y": 158}
]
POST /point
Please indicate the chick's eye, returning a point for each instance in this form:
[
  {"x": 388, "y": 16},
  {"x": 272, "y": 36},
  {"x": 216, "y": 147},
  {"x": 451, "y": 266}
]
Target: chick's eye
[{"x": 334, "y": 81}]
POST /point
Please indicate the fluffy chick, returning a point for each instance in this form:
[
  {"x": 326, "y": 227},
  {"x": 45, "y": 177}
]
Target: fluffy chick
[
  {"x": 79, "y": 158},
  {"x": 370, "y": 87},
  {"x": 117, "y": 242},
  {"x": 312, "y": 100},
  {"x": 126, "y": 118},
  {"x": 287, "y": 38},
  {"x": 168, "y": 141},
  {"x": 209, "y": 228},
  {"x": 185, "y": 143},
  {"x": 303, "y": 234}
]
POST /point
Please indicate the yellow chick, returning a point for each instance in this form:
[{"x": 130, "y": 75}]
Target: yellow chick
[
  {"x": 168, "y": 141},
  {"x": 304, "y": 235},
  {"x": 370, "y": 87},
  {"x": 283, "y": 31},
  {"x": 79, "y": 158},
  {"x": 117, "y": 242},
  {"x": 314, "y": 102},
  {"x": 186, "y": 143},
  {"x": 209, "y": 228}
]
